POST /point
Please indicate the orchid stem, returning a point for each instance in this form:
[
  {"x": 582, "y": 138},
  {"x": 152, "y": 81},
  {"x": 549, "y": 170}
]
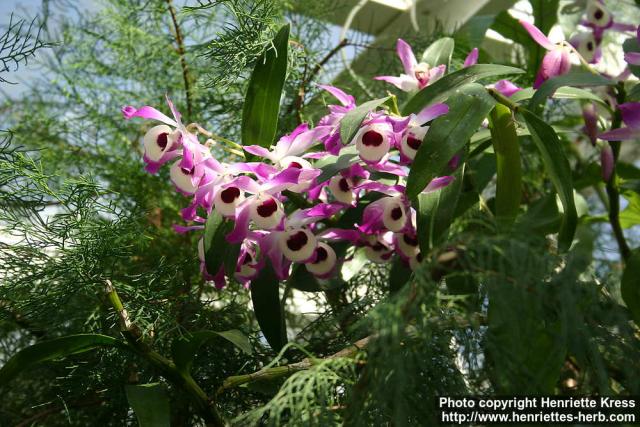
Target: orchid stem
[{"x": 503, "y": 100}]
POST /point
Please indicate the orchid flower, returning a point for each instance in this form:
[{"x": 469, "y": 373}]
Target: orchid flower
[
  {"x": 416, "y": 75},
  {"x": 590, "y": 122},
  {"x": 585, "y": 44},
  {"x": 556, "y": 62},
  {"x": 416, "y": 131},
  {"x": 631, "y": 117},
  {"x": 606, "y": 161},
  {"x": 600, "y": 19}
]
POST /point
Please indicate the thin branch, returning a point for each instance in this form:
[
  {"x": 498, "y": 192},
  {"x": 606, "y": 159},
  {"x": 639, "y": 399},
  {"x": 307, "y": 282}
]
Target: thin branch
[
  {"x": 45, "y": 413},
  {"x": 299, "y": 101},
  {"x": 183, "y": 62}
]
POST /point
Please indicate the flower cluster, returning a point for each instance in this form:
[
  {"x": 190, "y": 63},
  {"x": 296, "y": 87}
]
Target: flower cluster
[{"x": 283, "y": 208}]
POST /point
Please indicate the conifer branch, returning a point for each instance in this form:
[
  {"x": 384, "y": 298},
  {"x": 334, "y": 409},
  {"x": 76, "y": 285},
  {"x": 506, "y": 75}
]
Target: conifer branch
[{"x": 183, "y": 62}]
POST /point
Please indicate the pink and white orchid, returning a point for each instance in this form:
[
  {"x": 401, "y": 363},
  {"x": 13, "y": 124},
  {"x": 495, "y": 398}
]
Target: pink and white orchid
[
  {"x": 556, "y": 62},
  {"x": 416, "y": 75}
]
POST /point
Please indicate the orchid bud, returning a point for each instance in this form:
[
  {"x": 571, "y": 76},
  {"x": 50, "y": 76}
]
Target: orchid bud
[
  {"x": 606, "y": 161},
  {"x": 227, "y": 199},
  {"x": 407, "y": 244},
  {"x": 341, "y": 189},
  {"x": 373, "y": 141},
  {"x": 394, "y": 216},
  {"x": 298, "y": 245},
  {"x": 182, "y": 178},
  {"x": 324, "y": 263},
  {"x": 157, "y": 141},
  {"x": 597, "y": 14},
  {"x": 266, "y": 212}
]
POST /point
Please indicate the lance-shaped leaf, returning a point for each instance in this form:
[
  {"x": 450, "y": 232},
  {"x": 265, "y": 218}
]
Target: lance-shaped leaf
[
  {"x": 436, "y": 212},
  {"x": 216, "y": 249},
  {"x": 150, "y": 404},
  {"x": 566, "y": 92},
  {"x": 262, "y": 101},
  {"x": 629, "y": 287},
  {"x": 184, "y": 348},
  {"x": 351, "y": 122},
  {"x": 557, "y": 166},
  {"x": 442, "y": 88},
  {"x": 331, "y": 165},
  {"x": 265, "y": 297},
  {"x": 578, "y": 78},
  {"x": 439, "y": 52},
  {"x": 54, "y": 349},
  {"x": 468, "y": 106},
  {"x": 509, "y": 170}
]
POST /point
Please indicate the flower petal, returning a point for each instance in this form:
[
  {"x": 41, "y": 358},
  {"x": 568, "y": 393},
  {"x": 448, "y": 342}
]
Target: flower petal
[
  {"x": 621, "y": 134},
  {"x": 438, "y": 183},
  {"x": 537, "y": 35},
  {"x": 344, "y": 98},
  {"x": 431, "y": 112},
  {"x": 407, "y": 57},
  {"x": 506, "y": 88},
  {"x": 147, "y": 112},
  {"x": 396, "y": 81},
  {"x": 472, "y": 58},
  {"x": 632, "y": 58},
  {"x": 631, "y": 114}
]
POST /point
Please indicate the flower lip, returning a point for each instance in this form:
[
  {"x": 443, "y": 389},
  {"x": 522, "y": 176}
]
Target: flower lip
[
  {"x": 372, "y": 138},
  {"x": 228, "y": 195},
  {"x": 298, "y": 245},
  {"x": 321, "y": 255},
  {"x": 343, "y": 184},
  {"x": 396, "y": 213},
  {"x": 267, "y": 207},
  {"x": 297, "y": 241},
  {"x": 413, "y": 142},
  {"x": 324, "y": 263},
  {"x": 162, "y": 140}
]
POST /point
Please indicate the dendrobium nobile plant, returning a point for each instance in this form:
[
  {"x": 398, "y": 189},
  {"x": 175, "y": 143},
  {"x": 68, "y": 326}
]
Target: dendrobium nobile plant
[{"x": 362, "y": 179}]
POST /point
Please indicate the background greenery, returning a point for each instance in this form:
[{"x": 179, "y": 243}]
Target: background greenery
[{"x": 512, "y": 315}]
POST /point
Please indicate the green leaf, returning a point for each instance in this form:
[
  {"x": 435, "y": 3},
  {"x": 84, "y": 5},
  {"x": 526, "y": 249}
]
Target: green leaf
[
  {"x": 184, "y": 348},
  {"x": 630, "y": 216},
  {"x": 468, "y": 106},
  {"x": 443, "y": 87},
  {"x": 262, "y": 101},
  {"x": 559, "y": 171},
  {"x": 351, "y": 121},
  {"x": 508, "y": 164},
  {"x": 634, "y": 93},
  {"x": 439, "y": 52},
  {"x": 54, "y": 349},
  {"x": 436, "y": 212},
  {"x": 265, "y": 296},
  {"x": 542, "y": 217},
  {"x": 566, "y": 92},
  {"x": 399, "y": 275},
  {"x": 150, "y": 404},
  {"x": 631, "y": 45},
  {"x": 577, "y": 78},
  {"x": 216, "y": 247},
  {"x": 630, "y": 286},
  {"x": 331, "y": 165}
]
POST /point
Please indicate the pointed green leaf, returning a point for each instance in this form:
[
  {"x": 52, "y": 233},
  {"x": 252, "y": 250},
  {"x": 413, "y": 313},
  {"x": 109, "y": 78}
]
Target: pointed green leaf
[
  {"x": 439, "y": 52},
  {"x": 630, "y": 285},
  {"x": 579, "y": 78},
  {"x": 265, "y": 296},
  {"x": 150, "y": 404},
  {"x": 442, "y": 88},
  {"x": 468, "y": 106},
  {"x": 54, "y": 349},
  {"x": 436, "y": 211},
  {"x": 216, "y": 247},
  {"x": 559, "y": 170},
  {"x": 331, "y": 165},
  {"x": 262, "y": 101},
  {"x": 184, "y": 348},
  {"x": 566, "y": 92},
  {"x": 351, "y": 122}
]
